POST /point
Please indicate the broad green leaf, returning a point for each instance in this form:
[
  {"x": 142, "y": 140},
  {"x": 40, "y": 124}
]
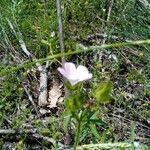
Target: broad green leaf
[
  {"x": 102, "y": 93},
  {"x": 75, "y": 102}
]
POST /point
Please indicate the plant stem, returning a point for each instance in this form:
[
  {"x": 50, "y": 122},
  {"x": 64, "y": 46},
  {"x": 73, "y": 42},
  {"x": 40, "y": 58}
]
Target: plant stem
[
  {"x": 77, "y": 134},
  {"x": 61, "y": 32},
  {"x": 8, "y": 70},
  {"x": 105, "y": 146}
]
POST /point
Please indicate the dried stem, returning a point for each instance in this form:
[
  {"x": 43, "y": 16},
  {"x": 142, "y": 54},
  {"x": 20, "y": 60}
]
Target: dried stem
[
  {"x": 61, "y": 33},
  {"x": 42, "y": 100}
]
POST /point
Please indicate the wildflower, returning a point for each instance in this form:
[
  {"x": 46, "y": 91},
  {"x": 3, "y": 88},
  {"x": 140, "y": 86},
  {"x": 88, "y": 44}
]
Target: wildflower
[{"x": 73, "y": 74}]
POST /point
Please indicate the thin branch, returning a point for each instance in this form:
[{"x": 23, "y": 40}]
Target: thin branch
[
  {"x": 61, "y": 33},
  {"x": 107, "y": 20},
  {"x": 42, "y": 99},
  {"x": 61, "y": 36},
  {"x": 7, "y": 131},
  {"x": 31, "y": 100},
  {"x": 33, "y": 134},
  {"x": 21, "y": 42},
  {"x": 43, "y": 95}
]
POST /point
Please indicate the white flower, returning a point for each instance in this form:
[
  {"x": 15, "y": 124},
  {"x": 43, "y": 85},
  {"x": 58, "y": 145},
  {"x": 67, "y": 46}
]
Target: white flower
[{"x": 73, "y": 74}]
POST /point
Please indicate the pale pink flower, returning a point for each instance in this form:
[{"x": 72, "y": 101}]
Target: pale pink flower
[{"x": 73, "y": 74}]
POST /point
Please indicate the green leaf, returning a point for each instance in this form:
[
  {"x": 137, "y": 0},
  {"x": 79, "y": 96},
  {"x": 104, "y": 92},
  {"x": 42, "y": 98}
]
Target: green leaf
[
  {"x": 75, "y": 101},
  {"x": 94, "y": 131},
  {"x": 98, "y": 122},
  {"x": 66, "y": 121},
  {"x": 102, "y": 94},
  {"x": 72, "y": 88}
]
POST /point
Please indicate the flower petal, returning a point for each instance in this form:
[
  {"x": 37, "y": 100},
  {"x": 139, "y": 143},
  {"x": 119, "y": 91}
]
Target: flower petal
[
  {"x": 62, "y": 71},
  {"x": 85, "y": 77},
  {"x": 73, "y": 74},
  {"x": 83, "y": 73},
  {"x": 70, "y": 68},
  {"x": 73, "y": 82}
]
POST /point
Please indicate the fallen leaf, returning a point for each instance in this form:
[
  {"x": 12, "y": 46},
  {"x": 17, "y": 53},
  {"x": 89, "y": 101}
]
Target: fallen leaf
[
  {"x": 44, "y": 111},
  {"x": 54, "y": 94}
]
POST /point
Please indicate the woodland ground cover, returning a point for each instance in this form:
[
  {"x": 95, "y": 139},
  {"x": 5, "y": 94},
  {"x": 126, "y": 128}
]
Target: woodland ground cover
[{"x": 29, "y": 32}]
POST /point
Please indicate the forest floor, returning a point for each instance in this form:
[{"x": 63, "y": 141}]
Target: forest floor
[{"x": 26, "y": 125}]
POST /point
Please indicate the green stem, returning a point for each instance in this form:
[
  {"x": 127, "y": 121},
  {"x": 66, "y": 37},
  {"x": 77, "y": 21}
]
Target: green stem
[
  {"x": 77, "y": 134},
  {"x": 8, "y": 70}
]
